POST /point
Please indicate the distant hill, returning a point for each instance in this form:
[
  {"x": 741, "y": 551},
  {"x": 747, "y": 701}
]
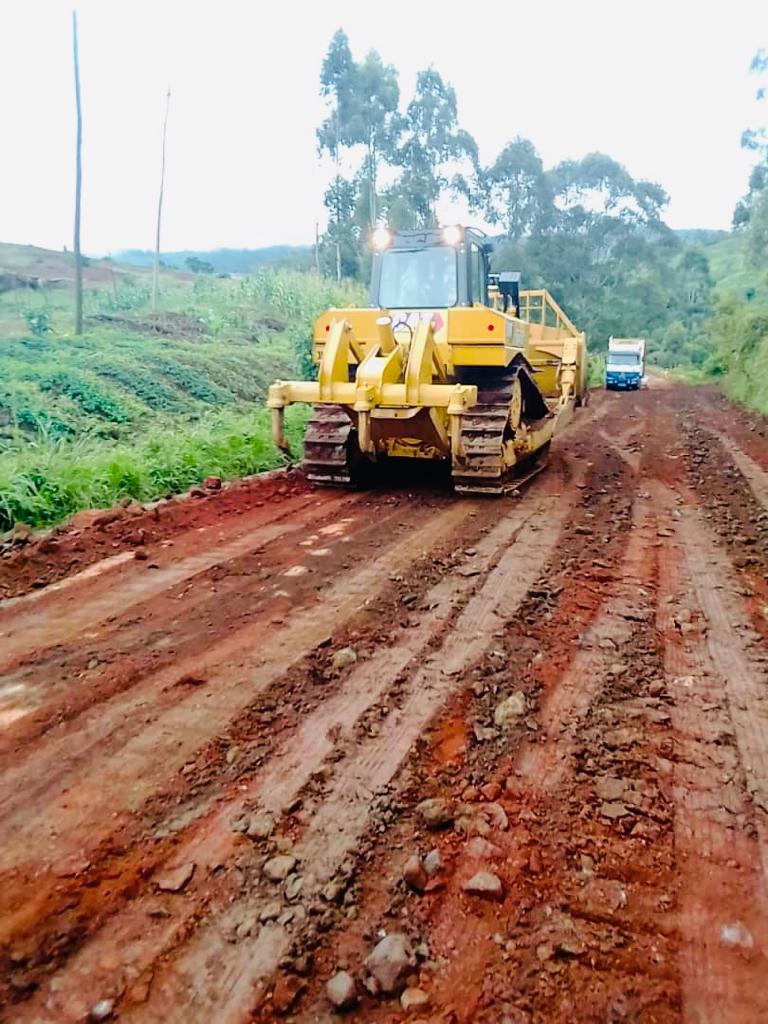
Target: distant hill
[
  {"x": 731, "y": 270},
  {"x": 224, "y": 261},
  {"x": 701, "y": 236},
  {"x": 32, "y": 267}
]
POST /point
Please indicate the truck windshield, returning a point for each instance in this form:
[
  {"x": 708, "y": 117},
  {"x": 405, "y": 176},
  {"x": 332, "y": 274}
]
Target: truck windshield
[
  {"x": 623, "y": 359},
  {"x": 418, "y": 278}
]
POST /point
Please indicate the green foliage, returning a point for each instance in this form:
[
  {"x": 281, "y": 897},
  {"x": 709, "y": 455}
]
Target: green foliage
[
  {"x": 146, "y": 386},
  {"x": 44, "y": 485},
  {"x": 86, "y": 393},
  {"x": 432, "y": 140},
  {"x": 126, "y": 299},
  {"x": 596, "y": 370},
  {"x": 738, "y": 336},
  {"x": 192, "y": 382},
  {"x": 424, "y": 142},
  {"x": 514, "y": 191},
  {"x": 38, "y": 322},
  {"x": 126, "y": 411},
  {"x": 198, "y": 266}
]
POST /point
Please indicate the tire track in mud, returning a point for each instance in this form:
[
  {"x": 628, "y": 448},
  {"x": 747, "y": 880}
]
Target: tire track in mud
[
  {"x": 24, "y": 626},
  {"x": 90, "y": 538},
  {"x": 580, "y": 933},
  {"x": 623, "y": 807},
  {"x": 731, "y": 499},
  {"x": 181, "y": 718},
  {"x": 755, "y": 475},
  {"x": 180, "y": 626},
  {"x": 452, "y": 935},
  {"x": 215, "y": 842},
  {"x": 86, "y": 821},
  {"x": 723, "y": 901}
]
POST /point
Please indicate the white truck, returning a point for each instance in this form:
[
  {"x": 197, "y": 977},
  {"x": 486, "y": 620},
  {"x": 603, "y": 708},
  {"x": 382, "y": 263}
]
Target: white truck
[{"x": 625, "y": 365}]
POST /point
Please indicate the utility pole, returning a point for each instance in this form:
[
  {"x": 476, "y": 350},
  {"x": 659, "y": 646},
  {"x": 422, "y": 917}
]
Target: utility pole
[
  {"x": 78, "y": 184},
  {"x": 156, "y": 268}
]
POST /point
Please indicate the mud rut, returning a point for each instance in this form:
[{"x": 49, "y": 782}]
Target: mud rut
[{"x": 267, "y": 670}]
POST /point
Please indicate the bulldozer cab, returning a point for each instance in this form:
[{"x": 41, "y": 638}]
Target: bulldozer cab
[{"x": 429, "y": 269}]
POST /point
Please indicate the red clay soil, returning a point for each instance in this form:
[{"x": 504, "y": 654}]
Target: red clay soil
[{"x": 215, "y": 758}]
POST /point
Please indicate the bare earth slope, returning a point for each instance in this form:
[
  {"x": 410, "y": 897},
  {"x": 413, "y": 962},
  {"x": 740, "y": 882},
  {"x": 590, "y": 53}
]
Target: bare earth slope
[{"x": 220, "y": 720}]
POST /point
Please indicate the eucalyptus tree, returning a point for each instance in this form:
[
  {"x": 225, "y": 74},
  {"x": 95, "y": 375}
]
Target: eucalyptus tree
[{"x": 432, "y": 141}]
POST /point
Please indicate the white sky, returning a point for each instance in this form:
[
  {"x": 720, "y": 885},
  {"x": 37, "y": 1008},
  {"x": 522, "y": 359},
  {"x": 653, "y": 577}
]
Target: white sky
[{"x": 660, "y": 86}]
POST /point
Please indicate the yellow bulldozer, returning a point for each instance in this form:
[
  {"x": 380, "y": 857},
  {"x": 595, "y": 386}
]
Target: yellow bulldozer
[{"x": 449, "y": 362}]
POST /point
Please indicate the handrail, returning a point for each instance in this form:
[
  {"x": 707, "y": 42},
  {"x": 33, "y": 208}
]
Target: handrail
[{"x": 527, "y": 307}]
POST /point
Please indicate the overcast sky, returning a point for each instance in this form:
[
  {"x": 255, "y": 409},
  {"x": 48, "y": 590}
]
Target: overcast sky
[{"x": 660, "y": 86}]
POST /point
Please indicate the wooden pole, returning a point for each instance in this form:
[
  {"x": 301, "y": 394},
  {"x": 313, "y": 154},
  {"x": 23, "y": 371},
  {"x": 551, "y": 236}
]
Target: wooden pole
[
  {"x": 156, "y": 268},
  {"x": 78, "y": 185}
]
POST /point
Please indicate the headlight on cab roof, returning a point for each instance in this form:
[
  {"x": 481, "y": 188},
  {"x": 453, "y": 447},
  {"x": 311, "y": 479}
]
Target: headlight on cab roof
[
  {"x": 453, "y": 234},
  {"x": 381, "y": 238}
]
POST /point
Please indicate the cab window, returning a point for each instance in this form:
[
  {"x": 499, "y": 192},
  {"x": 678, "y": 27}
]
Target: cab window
[{"x": 478, "y": 288}]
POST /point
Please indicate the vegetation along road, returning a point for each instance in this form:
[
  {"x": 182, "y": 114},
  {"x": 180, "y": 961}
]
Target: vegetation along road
[{"x": 273, "y": 751}]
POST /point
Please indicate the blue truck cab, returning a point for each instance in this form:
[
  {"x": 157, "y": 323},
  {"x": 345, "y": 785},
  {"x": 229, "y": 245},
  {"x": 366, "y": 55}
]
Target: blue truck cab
[{"x": 625, "y": 364}]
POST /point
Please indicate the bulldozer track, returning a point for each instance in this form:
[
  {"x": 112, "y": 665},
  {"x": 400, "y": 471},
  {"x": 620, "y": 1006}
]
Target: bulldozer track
[
  {"x": 328, "y": 454},
  {"x": 289, "y": 672},
  {"x": 483, "y": 429},
  {"x": 326, "y": 446}
]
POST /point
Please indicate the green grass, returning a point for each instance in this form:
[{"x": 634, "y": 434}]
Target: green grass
[
  {"x": 595, "y": 369},
  {"x": 743, "y": 352},
  {"x": 127, "y": 411},
  {"x": 731, "y": 270},
  {"x": 45, "y": 484}
]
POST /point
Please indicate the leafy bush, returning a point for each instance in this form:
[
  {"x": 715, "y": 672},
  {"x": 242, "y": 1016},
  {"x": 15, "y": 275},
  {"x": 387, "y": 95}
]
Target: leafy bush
[
  {"x": 38, "y": 322},
  {"x": 145, "y": 386},
  {"x": 194, "y": 383},
  {"x": 88, "y": 395},
  {"x": 124, "y": 300}
]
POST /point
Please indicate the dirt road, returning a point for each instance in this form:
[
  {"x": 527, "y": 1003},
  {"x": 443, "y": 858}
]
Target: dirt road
[{"x": 518, "y": 747}]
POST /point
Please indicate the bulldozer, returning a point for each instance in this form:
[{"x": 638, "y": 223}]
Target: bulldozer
[{"x": 449, "y": 362}]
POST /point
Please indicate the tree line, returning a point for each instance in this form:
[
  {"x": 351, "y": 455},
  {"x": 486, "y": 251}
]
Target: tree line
[
  {"x": 751, "y": 213},
  {"x": 737, "y": 332},
  {"x": 585, "y": 229}
]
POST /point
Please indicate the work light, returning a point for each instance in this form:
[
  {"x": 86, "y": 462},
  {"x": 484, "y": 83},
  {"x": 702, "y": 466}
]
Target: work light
[{"x": 381, "y": 238}]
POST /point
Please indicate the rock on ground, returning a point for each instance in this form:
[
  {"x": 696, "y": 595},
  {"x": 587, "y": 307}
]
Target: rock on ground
[
  {"x": 414, "y": 999},
  {"x": 509, "y": 710},
  {"x": 260, "y": 826},
  {"x": 414, "y": 873},
  {"x": 390, "y": 962},
  {"x": 341, "y": 990},
  {"x": 343, "y": 657},
  {"x": 484, "y": 883},
  {"x": 278, "y": 868},
  {"x": 102, "y": 1010},
  {"x": 174, "y": 879},
  {"x": 435, "y": 812},
  {"x": 433, "y": 862}
]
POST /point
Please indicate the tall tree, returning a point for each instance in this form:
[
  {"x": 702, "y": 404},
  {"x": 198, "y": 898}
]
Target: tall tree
[
  {"x": 514, "y": 191},
  {"x": 374, "y": 120},
  {"x": 755, "y": 139},
  {"x": 78, "y": 183},
  {"x": 339, "y": 248},
  {"x": 337, "y": 88},
  {"x": 433, "y": 140},
  {"x": 156, "y": 265}
]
